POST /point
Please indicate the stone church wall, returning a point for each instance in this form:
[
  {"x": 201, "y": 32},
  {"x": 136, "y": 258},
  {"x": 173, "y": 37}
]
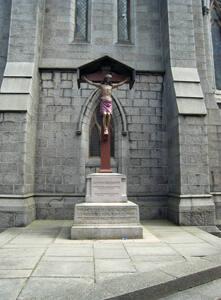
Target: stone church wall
[
  {"x": 167, "y": 128},
  {"x": 61, "y": 50},
  {"x": 12, "y": 140},
  {"x": 59, "y": 173},
  {"x": 5, "y": 9}
]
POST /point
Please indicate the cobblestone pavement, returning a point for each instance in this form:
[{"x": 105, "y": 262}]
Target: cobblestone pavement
[{"x": 41, "y": 262}]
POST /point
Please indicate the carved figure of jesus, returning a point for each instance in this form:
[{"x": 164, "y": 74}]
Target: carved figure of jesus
[{"x": 106, "y": 88}]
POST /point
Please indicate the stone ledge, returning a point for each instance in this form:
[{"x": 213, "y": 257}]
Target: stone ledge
[
  {"x": 16, "y": 212},
  {"x": 19, "y": 69},
  {"x": 188, "y": 90},
  {"x": 192, "y": 210},
  {"x": 81, "y": 232},
  {"x": 188, "y": 106},
  {"x": 16, "y": 85},
  {"x": 185, "y": 74},
  {"x": 15, "y": 102}
]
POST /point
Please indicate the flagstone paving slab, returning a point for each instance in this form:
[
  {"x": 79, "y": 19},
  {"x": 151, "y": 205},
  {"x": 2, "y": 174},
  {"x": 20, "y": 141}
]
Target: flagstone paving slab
[
  {"x": 110, "y": 253},
  {"x": 114, "y": 265},
  {"x": 200, "y": 249},
  {"x": 10, "y": 288},
  {"x": 14, "y": 263},
  {"x": 60, "y": 288},
  {"x": 70, "y": 251},
  {"x": 163, "y": 250},
  {"x": 64, "y": 269},
  {"x": 15, "y": 273}
]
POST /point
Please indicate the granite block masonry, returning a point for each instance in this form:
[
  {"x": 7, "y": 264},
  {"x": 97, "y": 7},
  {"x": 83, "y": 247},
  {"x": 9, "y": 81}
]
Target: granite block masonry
[{"x": 167, "y": 128}]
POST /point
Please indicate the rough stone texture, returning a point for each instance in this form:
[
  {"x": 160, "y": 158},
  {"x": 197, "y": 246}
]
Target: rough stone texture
[
  {"x": 217, "y": 201},
  {"x": 61, "y": 164},
  {"x": 60, "y": 49},
  {"x": 205, "y": 65},
  {"x": 16, "y": 212},
  {"x": 187, "y": 131},
  {"x": 25, "y": 33},
  {"x": 169, "y": 147},
  {"x": 5, "y": 6},
  {"x": 109, "y": 232},
  {"x": 170, "y": 258},
  {"x": 106, "y": 188},
  {"x": 18, "y": 148},
  {"x": 193, "y": 210},
  {"x": 12, "y": 137},
  {"x": 56, "y": 207},
  {"x": 106, "y": 213}
]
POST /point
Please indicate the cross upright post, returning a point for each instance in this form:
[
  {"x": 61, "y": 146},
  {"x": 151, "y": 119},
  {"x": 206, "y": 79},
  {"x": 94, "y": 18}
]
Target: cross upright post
[{"x": 105, "y": 152}]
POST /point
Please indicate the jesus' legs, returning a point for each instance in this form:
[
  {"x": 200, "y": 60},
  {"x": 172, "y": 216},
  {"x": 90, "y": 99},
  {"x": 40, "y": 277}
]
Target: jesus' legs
[{"x": 106, "y": 122}]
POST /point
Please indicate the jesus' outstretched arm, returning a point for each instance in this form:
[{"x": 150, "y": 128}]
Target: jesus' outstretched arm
[
  {"x": 90, "y": 82},
  {"x": 116, "y": 85}
]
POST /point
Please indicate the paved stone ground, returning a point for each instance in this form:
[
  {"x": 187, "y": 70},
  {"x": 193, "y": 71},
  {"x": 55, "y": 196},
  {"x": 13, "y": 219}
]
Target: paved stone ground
[{"x": 41, "y": 262}]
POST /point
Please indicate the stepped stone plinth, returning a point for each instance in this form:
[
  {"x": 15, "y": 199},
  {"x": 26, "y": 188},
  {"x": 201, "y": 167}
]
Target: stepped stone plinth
[{"x": 106, "y": 214}]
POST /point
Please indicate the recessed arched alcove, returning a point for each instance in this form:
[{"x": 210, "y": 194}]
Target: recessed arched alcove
[
  {"x": 90, "y": 164},
  {"x": 95, "y": 71}
]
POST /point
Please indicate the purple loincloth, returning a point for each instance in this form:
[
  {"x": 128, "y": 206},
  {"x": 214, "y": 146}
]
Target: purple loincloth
[{"x": 105, "y": 106}]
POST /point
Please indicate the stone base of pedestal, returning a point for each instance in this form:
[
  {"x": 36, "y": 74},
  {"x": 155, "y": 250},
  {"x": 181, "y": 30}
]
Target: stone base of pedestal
[
  {"x": 106, "y": 221},
  {"x": 106, "y": 214},
  {"x": 82, "y": 232}
]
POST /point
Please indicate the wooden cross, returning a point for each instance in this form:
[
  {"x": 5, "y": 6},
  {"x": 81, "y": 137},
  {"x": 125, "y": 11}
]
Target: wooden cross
[{"x": 105, "y": 152}]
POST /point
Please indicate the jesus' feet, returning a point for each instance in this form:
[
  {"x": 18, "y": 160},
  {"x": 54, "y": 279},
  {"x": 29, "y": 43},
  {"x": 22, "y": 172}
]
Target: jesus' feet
[{"x": 105, "y": 131}]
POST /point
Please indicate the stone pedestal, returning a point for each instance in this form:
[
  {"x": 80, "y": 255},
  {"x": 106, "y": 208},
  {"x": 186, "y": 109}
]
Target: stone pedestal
[
  {"x": 106, "y": 188},
  {"x": 106, "y": 214}
]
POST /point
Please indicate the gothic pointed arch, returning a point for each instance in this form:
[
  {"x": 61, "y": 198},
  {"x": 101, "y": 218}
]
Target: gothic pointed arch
[
  {"x": 88, "y": 108},
  {"x": 91, "y": 164}
]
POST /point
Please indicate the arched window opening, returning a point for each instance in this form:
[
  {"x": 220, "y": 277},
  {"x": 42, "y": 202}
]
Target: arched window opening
[
  {"x": 123, "y": 21},
  {"x": 81, "y": 20},
  {"x": 95, "y": 130}
]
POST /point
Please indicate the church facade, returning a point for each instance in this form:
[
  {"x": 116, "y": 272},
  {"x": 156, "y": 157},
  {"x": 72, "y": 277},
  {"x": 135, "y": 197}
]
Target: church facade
[{"x": 166, "y": 129}]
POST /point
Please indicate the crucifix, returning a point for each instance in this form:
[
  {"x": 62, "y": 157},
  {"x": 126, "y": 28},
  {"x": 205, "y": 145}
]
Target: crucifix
[{"x": 106, "y": 87}]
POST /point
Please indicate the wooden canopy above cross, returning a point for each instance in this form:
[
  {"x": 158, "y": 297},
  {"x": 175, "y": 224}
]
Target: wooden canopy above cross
[{"x": 97, "y": 69}]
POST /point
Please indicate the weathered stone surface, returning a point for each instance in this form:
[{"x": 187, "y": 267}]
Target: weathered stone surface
[
  {"x": 5, "y": 11},
  {"x": 195, "y": 210},
  {"x": 11, "y": 102},
  {"x": 104, "y": 217},
  {"x": 106, "y": 188},
  {"x": 16, "y": 212},
  {"x": 19, "y": 69},
  {"x": 106, "y": 213},
  {"x": 170, "y": 119},
  {"x": 78, "y": 288},
  {"x": 185, "y": 74},
  {"x": 81, "y": 232},
  {"x": 140, "y": 269},
  {"x": 10, "y": 288}
]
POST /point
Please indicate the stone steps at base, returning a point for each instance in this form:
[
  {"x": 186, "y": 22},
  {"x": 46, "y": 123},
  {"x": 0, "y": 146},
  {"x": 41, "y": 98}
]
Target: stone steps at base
[{"x": 106, "y": 231}]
